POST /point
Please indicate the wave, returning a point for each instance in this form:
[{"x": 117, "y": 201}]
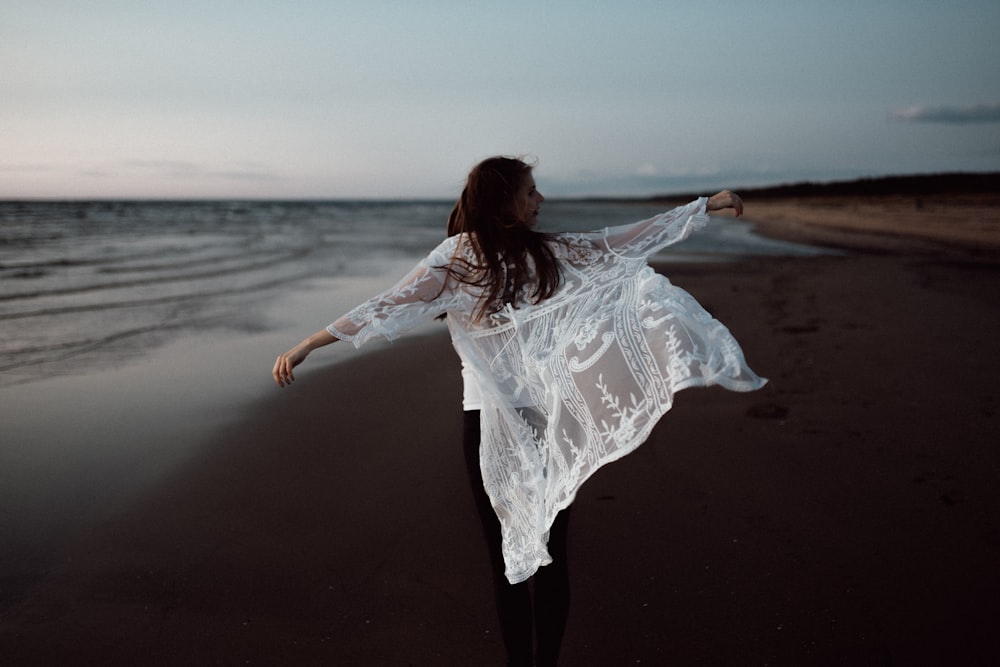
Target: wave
[
  {"x": 158, "y": 301},
  {"x": 244, "y": 268},
  {"x": 71, "y": 262}
]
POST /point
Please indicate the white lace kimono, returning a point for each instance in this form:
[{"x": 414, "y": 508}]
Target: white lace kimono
[{"x": 576, "y": 381}]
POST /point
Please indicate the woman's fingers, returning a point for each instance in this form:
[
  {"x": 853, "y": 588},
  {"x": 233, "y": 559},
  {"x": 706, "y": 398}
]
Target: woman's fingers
[
  {"x": 277, "y": 373},
  {"x": 737, "y": 204},
  {"x": 725, "y": 199},
  {"x": 282, "y": 371}
]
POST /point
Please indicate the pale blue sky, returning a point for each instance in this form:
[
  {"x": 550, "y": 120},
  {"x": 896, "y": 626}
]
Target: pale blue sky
[{"x": 337, "y": 99}]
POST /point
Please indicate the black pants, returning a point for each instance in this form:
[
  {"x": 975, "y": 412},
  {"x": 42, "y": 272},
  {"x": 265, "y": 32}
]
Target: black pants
[{"x": 519, "y": 613}]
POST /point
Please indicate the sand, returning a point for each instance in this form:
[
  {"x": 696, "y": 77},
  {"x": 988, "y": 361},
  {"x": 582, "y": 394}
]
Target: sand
[
  {"x": 847, "y": 514},
  {"x": 933, "y": 224}
]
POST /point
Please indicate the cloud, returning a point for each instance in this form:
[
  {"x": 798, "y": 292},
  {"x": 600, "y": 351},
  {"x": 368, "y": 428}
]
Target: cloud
[
  {"x": 920, "y": 113},
  {"x": 179, "y": 169},
  {"x": 25, "y": 167},
  {"x": 261, "y": 176},
  {"x": 166, "y": 168}
]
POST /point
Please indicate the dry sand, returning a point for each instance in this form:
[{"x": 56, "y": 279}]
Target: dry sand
[
  {"x": 957, "y": 224},
  {"x": 847, "y": 514}
]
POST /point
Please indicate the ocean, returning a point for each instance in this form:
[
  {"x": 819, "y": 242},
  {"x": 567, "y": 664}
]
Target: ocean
[{"x": 87, "y": 284}]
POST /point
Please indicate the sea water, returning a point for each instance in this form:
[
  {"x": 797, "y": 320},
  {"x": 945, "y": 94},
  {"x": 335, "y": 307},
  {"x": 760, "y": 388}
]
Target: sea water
[{"x": 86, "y": 284}]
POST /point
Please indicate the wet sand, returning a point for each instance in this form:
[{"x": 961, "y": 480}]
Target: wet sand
[{"x": 847, "y": 514}]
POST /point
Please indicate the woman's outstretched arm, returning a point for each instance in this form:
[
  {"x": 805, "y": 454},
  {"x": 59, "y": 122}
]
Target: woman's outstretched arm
[
  {"x": 286, "y": 362},
  {"x": 643, "y": 238}
]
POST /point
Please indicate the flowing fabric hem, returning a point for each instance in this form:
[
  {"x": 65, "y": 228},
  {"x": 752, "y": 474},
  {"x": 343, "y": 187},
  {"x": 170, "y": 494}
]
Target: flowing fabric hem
[{"x": 642, "y": 435}]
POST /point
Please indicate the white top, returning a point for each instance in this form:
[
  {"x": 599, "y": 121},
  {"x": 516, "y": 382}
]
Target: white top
[
  {"x": 574, "y": 382},
  {"x": 472, "y": 396}
]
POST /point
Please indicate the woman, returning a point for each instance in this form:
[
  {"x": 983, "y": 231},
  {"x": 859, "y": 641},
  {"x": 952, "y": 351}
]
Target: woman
[{"x": 571, "y": 348}]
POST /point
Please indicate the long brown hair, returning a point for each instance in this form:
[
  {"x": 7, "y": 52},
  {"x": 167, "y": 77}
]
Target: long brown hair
[{"x": 501, "y": 240}]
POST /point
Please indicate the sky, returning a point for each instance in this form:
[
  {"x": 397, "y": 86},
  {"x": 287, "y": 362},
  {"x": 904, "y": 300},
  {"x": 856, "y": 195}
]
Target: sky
[{"x": 372, "y": 99}]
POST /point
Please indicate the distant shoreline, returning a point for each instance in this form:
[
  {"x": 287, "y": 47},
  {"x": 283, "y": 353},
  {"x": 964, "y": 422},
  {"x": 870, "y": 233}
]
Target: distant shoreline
[{"x": 938, "y": 214}]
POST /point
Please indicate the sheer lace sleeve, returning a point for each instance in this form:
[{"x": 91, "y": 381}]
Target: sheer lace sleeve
[
  {"x": 415, "y": 299},
  {"x": 643, "y": 238}
]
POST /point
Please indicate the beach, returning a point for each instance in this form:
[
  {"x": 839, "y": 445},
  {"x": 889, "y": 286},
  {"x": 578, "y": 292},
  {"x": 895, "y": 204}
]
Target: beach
[
  {"x": 846, "y": 514},
  {"x": 927, "y": 224}
]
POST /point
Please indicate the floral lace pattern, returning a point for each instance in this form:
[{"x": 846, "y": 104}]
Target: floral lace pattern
[{"x": 572, "y": 383}]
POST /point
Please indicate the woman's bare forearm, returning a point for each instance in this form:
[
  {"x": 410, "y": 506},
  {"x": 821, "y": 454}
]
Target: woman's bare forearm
[{"x": 282, "y": 371}]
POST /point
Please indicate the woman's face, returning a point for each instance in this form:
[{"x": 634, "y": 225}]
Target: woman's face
[{"x": 528, "y": 200}]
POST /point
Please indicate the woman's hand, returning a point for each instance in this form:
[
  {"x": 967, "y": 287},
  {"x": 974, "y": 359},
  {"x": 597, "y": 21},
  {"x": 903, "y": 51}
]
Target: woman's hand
[
  {"x": 282, "y": 371},
  {"x": 723, "y": 200}
]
